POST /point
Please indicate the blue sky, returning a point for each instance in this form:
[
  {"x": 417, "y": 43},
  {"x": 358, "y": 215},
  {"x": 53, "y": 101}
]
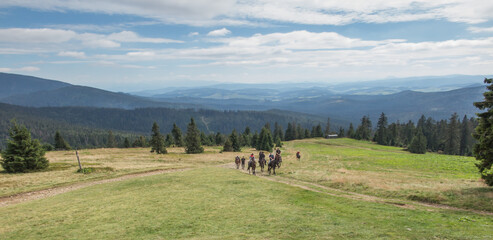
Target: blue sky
[{"x": 131, "y": 45}]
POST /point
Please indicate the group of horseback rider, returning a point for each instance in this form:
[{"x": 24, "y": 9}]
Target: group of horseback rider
[{"x": 274, "y": 161}]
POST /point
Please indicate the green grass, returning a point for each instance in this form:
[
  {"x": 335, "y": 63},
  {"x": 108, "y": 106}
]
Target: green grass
[
  {"x": 218, "y": 203},
  {"x": 385, "y": 171}
]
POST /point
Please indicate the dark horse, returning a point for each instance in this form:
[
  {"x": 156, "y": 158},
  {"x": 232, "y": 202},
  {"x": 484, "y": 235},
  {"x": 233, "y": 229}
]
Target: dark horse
[
  {"x": 275, "y": 163},
  {"x": 237, "y": 162},
  {"x": 252, "y": 165},
  {"x": 242, "y": 162},
  {"x": 261, "y": 161}
]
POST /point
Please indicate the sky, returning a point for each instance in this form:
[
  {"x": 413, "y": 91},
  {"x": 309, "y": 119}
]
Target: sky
[{"x": 133, "y": 45}]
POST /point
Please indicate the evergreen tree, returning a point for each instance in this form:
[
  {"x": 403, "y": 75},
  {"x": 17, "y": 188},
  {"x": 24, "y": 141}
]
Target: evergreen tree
[
  {"x": 255, "y": 139},
  {"x": 418, "y": 143},
  {"x": 220, "y": 139},
  {"x": 290, "y": 132},
  {"x": 228, "y": 146},
  {"x": 381, "y": 135},
  {"x": 22, "y": 154},
  {"x": 307, "y": 133},
  {"x": 363, "y": 132},
  {"x": 278, "y": 142},
  {"x": 408, "y": 132},
  {"x": 177, "y": 136},
  {"x": 169, "y": 140},
  {"x": 350, "y": 132},
  {"x": 235, "y": 143},
  {"x": 466, "y": 140},
  {"x": 452, "y": 145},
  {"x": 60, "y": 143},
  {"x": 394, "y": 134},
  {"x": 157, "y": 140},
  {"x": 140, "y": 142},
  {"x": 111, "y": 143},
  {"x": 204, "y": 139},
  {"x": 300, "y": 132},
  {"x": 278, "y": 132},
  {"x": 192, "y": 139},
  {"x": 126, "y": 143},
  {"x": 327, "y": 128},
  {"x": 265, "y": 141},
  {"x": 341, "y": 132},
  {"x": 483, "y": 150}
]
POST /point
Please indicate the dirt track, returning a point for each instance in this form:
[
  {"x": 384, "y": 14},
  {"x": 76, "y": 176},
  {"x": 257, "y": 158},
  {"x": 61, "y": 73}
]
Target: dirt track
[{"x": 29, "y": 196}]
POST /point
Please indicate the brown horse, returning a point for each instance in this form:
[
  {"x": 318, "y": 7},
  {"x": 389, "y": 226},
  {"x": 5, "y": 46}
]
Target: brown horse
[
  {"x": 261, "y": 161},
  {"x": 275, "y": 163},
  {"x": 237, "y": 162},
  {"x": 252, "y": 165},
  {"x": 243, "y": 162}
]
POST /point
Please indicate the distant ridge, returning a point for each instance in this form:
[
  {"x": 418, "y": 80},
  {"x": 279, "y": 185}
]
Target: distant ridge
[{"x": 14, "y": 84}]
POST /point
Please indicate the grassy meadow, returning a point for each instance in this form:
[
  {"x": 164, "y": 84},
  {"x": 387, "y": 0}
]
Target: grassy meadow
[{"x": 212, "y": 200}]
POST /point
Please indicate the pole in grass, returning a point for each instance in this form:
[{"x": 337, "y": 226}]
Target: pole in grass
[{"x": 78, "y": 160}]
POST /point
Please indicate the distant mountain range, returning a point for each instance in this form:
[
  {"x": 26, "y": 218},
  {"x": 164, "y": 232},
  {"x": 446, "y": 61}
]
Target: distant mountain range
[{"x": 399, "y": 99}]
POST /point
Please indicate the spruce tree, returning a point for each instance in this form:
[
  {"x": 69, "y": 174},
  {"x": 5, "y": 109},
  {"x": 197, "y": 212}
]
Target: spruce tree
[
  {"x": 23, "y": 154},
  {"x": 126, "y": 143},
  {"x": 157, "y": 140},
  {"x": 111, "y": 143},
  {"x": 483, "y": 150},
  {"x": 60, "y": 143},
  {"x": 341, "y": 132},
  {"x": 220, "y": 139},
  {"x": 363, "y": 132},
  {"x": 265, "y": 141},
  {"x": 290, "y": 133},
  {"x": 278, "y": 132},
  {"x": 350, "y": 131},
  {"x": 228, "y": 146},
  {"x": 418, "y": 143},
  {"x": 168, "y": 142},
  {"x": 192, "y": 139},
  {"x": 452, "y": 145},
  {"x": 327, "y": 128},
  {"x": 235, "y": 143},
  {"x": 466, "y": 137},
  {"x": 177, "y": 135},
  {"x": 255, "y": 139},
  {"x": 381, "y": 135}
]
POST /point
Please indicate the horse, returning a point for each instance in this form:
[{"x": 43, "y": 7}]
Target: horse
[
  {"x": 261, "y": 161},
  {"x": 252, "y": 165},
  {"x": 237, "y": 162},
  {"x": 242, "y": 162},
  {"x": 275, "y": 163}
]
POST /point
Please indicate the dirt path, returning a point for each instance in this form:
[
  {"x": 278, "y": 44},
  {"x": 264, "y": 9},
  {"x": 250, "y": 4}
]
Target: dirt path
[
  {"x": 29, "y": 196},
  {"x": 357, "y": 196}
]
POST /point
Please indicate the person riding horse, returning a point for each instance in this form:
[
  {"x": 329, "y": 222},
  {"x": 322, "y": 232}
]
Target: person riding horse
[
  {"x": 243, "y": 162},
  {"x": 252, "y": 165},
  {"x": 261, "y": 160},
  {"x": 237, "y": 162}
]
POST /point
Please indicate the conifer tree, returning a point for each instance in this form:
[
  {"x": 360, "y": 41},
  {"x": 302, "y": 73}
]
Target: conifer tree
[
  {"x": 235, "y": 143},
  {"x": 307, "y": 133},
  {"x": 228, "y": 146},
  {"x": 452, "y": 145},
  {"x": 278, "y": 142},
  {"x": 219, "y": 139},
  {"x": 255, "y": 139},
  {"x": 363, "y": 132},
  {"x": 168, "y": 142},
  {"x": 126, "y": 143},
  {"x": 327, "y": 128},
  {"x": 466, "y": 137},
  {"x": 290, "y": 132},
  {"x": 192, "y": 139},
  {"x": 60, "y": 143},
  {"x": 157, "y": 140},
  {"x": 265, "y": 141},
  {"x": 111, "y": 143},
  {"x": 350, "y": 131},
  {"x": 418, "y": 143},
  {"x": 484, "y": 134},
  {"x": 23, "y": 153},
  {"x": 278, "y": 132},
  {"x": 341, "y": 132},
  {"x": 381, "y": 135},
  {"x": 177, "y": 135}
]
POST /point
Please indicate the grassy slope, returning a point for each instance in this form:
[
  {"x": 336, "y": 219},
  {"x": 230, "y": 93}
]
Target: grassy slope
[
  {"x": 218, "y": 203},
  {"x": 389, "y": 172}
]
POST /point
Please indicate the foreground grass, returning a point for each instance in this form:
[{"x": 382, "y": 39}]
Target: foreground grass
[
  {"x": 218, "y": 203},
  {"x": 389, "y": 172},
  {"x": 107, "y": 163}
]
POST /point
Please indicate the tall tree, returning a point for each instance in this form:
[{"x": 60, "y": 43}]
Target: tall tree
[
  {"x": 418, "y": 143},
  {"x": 327, "y": 128},
  {"x": 192, "y": 139},
  {"x": 341, "y": 132},
  {"x": 484, "y": 134},
  {"x": 177, "y": 135},
  {"x": 235, "y": 142},
  {"x": 278, "y": 132},
  {"x": 157, "y": 140},
  {"x": 126, "y": 143},
  {"x": 452, "y": 145},
  {"x": 23, "y": 153},
  {"x": 350, "y": 131},
  {"x": 228, "y": 146},
  {"x": 220, "y": 139},
  {"x": 466, "y": 140},
  {"x": 381, "y": 135},
  {"x": 290, "y": 132},
  {"x": 265, "y": 141},
  {"x": 60, "y": 143},
  {"x": 111, "y": 143},
  {"x": 169, "y": 140},
  {"x": 363, "y": 132}
]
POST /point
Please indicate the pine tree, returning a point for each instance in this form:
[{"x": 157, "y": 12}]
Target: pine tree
[
  {"x": 466, "y": 137},
  {"x": 290, "y": 133},
  {"x": 22, "y": 154},
  {"x": 363, "y": 132},
  {"x": 350, "y": 131},
  {"x": 126, "y": 143},
  {"x": 235, "y": 143},
  {"x": 228, "y": 146},
  {"x": 484, "y": 134},
  {"x": 157, "y": 140},
  {"x": 418, "y": 143},
  {"x": 169, "y": 140},
  {"x": 219, "y": 139},
  {"x": 111, "y": 143},
  {"x": 60, "y": 143},
  {"x": 278, "y": 132},
  {"x": 192, "y": 139},
  {"x": 307, "y": 134},
  {"x": 381, "y": 135},
  {"x": 265, "y": 141},
  {"x": 255, "y": 139},
  {"x": 177, "y": 135},
  {"x": 327, "y": 128},
  {"x": 452, "y": 145},
  {"x": 278, "y": 142},
  {"x": 341, "y": 132}
]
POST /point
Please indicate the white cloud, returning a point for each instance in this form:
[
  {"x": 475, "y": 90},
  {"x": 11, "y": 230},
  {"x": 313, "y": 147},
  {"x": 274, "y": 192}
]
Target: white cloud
[
  {"x": 193, "y": 34},
  {"x": 231, "y": 12},
  {"x": 72, "y": 54},
  {"x": 219, "y": 32},
  {"x": 22, "y": 69},
  {"x": 480, "y": 30},
  {"x": 128, "y": 36},
  {"x": 35, "y": 35}
]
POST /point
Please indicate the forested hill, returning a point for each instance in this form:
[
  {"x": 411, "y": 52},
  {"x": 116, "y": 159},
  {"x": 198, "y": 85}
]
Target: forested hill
[
  {"x": 14, "y": 84},
  {"x": 74, "y": 122}
]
